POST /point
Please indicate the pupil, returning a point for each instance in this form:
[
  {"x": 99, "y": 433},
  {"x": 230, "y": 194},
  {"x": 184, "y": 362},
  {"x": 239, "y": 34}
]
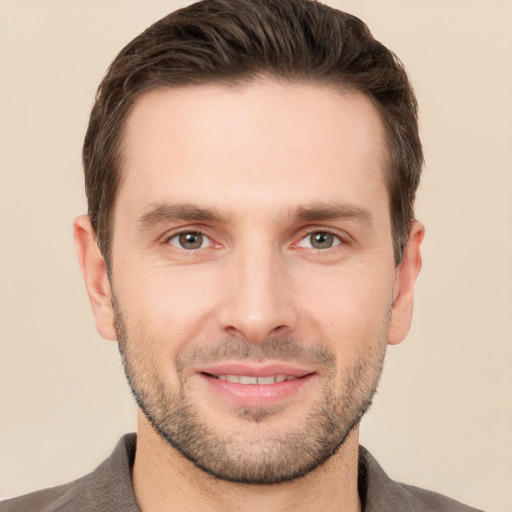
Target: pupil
[
  {"x": 191, "y": 240},
  {"x": 322, "y": 240}
]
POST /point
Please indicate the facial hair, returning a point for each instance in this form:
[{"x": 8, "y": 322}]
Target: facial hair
[{"x": 252, "y": 454}]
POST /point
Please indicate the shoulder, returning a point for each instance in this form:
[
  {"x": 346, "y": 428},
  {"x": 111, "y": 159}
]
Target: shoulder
[
  {"x": 381, "y": 493},
  {"x": 432, "y": 501},
  {"x": 108, "y": 487},
  {"x": 63, "y": 497}
]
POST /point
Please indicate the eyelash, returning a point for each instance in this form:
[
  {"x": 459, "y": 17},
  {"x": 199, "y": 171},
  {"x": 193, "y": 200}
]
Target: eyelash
[
  {"x": 339, "y": 240},
  {"x": 189, "y": 232},
  {"x": 321, "y": 231}
]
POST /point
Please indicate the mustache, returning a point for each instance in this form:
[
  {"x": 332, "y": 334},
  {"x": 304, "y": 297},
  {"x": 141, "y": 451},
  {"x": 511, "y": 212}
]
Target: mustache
[{"x": 286, "y": 349}]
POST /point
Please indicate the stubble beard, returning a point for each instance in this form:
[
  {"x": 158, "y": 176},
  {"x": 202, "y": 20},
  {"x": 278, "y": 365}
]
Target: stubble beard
[{"x": 254, "y": 453}]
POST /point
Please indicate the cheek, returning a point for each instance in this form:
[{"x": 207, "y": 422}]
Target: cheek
[
  {"x": 350, "y": 309},
  {"x": 169, "y": 308}
]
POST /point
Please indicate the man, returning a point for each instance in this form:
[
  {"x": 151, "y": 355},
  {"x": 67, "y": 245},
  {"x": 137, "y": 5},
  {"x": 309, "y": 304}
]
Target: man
[{"x": 251, "y": 167}]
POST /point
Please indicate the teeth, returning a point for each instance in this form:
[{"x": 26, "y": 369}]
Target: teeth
[
  {"x": 248, "y": 379},
  {"x": 267, "y": 380}
]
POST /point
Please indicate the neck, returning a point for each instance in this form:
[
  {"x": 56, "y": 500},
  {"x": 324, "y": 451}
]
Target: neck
[{"x": 163, "y": 477}]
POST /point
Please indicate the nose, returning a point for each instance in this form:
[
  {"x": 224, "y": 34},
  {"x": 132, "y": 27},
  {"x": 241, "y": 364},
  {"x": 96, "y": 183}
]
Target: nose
[{"x": 258, "y": 299}]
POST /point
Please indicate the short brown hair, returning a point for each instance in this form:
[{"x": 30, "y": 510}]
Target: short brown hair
[{"x": 234, "y": 41}]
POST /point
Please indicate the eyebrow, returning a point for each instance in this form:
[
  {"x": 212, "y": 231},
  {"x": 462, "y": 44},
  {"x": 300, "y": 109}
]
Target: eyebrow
[
  {"x": 161, "y": 213},
  {"x": 332, "y": 211},
  {"x": 166, "y": 212}
]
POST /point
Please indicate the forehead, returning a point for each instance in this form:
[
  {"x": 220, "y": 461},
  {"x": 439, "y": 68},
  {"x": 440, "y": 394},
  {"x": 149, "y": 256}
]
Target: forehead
[{"x": 261, "y": 142}]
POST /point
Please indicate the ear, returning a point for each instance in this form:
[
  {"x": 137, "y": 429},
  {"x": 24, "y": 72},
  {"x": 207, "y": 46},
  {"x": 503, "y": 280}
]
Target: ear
[
  {"x": 95, "y": 275},
  {"x": 403, "y": 295}
]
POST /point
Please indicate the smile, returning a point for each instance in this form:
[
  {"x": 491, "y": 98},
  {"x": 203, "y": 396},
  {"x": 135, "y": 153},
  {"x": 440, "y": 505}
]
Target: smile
[
  {"x": 253, "y": 380},
  {"x": 254, "y": 385}
]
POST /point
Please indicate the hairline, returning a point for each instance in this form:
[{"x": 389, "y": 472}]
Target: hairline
[{"x": 120, "y": 148}]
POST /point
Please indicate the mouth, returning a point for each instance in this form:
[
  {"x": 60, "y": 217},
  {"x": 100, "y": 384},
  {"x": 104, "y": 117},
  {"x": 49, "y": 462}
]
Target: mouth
[
  {"x": 254, "y": 380},
  {"x": 256, "y": 385}
]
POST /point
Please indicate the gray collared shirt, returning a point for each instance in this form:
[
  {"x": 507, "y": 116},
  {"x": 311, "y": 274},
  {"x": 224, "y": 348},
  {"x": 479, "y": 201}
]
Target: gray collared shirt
[{"x": 109, "y": 488}]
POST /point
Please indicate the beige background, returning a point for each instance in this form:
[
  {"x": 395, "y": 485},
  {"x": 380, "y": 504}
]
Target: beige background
[{"x": 443, "y": 416}]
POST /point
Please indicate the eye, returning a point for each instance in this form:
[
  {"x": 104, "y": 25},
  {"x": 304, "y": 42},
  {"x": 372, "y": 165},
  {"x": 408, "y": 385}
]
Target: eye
[
  {"x": 320, "y": 240},
  {"x": 190, "y": 240}
]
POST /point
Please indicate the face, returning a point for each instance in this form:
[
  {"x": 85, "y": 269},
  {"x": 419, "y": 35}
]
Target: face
[{"x": 253, "y": 279}]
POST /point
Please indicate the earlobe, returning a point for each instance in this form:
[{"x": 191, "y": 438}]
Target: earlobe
[
  {"x": 94, "y": 271},
  {"x": 406, "y": 275}
]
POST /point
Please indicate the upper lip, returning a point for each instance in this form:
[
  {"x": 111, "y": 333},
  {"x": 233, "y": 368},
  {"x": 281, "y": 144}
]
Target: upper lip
[{"x": 255, "y": 369}]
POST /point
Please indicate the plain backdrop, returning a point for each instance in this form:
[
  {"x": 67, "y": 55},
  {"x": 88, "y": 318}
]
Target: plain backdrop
[{"x": 443, "y": 416}]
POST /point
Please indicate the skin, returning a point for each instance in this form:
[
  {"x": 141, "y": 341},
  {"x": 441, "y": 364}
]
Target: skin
[{"x": 266, "y": 157}]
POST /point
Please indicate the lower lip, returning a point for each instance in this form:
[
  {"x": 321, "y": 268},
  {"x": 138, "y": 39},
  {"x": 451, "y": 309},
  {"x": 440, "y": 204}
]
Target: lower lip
[{"x": 256, "y": 394}]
